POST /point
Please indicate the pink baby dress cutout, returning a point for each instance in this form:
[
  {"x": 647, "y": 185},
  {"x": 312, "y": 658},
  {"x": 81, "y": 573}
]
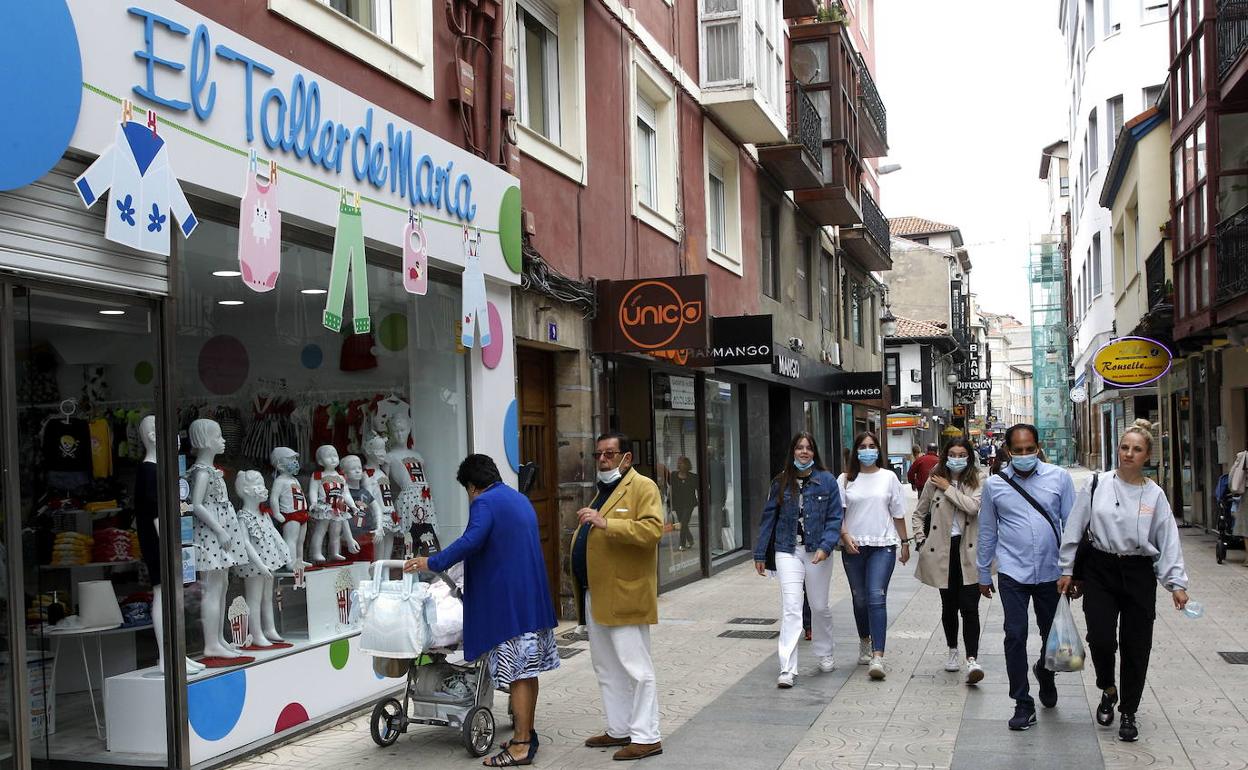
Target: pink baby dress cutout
[
  {"x": 260, "y": 231},
  {"x": 415, "y": 256}
]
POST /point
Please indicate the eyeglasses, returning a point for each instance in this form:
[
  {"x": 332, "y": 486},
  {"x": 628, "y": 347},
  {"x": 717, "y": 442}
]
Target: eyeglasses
[{"x": 607, "y": 454}]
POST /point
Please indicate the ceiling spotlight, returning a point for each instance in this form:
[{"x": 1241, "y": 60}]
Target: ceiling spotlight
[
  {"x": 313, "y": 291},
  {"x": 226, "y": 273},
  {"x": 112, "y": 312},
  {"x": 230, "y": 302}
]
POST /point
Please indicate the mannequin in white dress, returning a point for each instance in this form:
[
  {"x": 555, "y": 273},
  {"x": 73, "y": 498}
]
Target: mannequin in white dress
[
  {"x": 406, "y": 469},
  {"x": 387, "y": 523},
  {"x": 331, "y": 507},
  {"x": 269, "y": 555}
]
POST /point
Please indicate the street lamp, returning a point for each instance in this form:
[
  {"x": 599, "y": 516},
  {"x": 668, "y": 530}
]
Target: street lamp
[
  {"x": 951, "y": 378},
  {"x": 888, "y": 168},
  {"x": 888, "y": 321}
]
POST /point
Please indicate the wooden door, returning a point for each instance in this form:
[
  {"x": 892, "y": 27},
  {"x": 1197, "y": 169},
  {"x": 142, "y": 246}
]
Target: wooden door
[{"x": 537, "y": 445}]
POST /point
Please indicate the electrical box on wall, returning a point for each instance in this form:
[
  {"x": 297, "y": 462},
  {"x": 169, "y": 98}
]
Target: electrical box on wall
[
  {"x": 529, "y": 222},
  {"x": 509, "y": 91},
  {"x": 464, "y": 91}
]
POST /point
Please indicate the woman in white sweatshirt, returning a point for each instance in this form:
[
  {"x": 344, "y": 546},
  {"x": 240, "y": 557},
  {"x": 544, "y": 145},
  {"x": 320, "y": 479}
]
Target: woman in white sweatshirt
[{"x": 1132, "y": 544}]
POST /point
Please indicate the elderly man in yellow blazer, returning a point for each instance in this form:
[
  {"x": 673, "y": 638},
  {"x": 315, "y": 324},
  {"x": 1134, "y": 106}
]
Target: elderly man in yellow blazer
[{"x": 615, "y": 570}]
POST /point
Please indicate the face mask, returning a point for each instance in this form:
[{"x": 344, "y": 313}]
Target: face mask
[
  {"x": 956, "y": 464},
  {"x": 868, "y": 456},
  {"x": 1024, "y": 463},
  {"x": 291, "y": 466},
  {"x": 804, "y": 466},
  {"x": 608, "y": 477}
]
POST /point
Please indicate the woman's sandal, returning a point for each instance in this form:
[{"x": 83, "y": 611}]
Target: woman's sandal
[
  {"x": 504, "y": 758},
  {"x": 532, "y": 739}
]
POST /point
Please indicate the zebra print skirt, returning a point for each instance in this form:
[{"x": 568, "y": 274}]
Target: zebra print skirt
[{"x": 524, "y": 657}]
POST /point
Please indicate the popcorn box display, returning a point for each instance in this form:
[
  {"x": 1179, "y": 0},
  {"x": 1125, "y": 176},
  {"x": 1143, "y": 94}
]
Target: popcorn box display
[{"x": 238, "y": 616}]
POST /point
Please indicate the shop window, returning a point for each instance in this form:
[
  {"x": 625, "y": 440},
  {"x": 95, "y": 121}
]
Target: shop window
[
  {"x": 725, "y": 443},
  {"x": 676, "y": 471}
]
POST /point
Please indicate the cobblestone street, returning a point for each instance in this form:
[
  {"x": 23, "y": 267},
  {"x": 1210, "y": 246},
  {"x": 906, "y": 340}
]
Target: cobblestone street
[{"x": 720, "y": 705}]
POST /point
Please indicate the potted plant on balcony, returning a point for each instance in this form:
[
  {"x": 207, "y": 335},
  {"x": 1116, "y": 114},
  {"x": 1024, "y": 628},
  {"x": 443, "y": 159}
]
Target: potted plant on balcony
[{"x": 827, "y": 11}]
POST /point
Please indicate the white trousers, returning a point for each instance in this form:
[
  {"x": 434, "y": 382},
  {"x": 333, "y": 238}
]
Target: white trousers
[
  {"x": 795, "y": 572},
  {"x": 621, "y": 657}
]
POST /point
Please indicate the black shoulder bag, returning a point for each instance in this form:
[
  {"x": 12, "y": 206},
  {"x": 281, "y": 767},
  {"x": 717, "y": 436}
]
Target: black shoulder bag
[
  {"x": 1085, "y": 542},
  {"x": 1039, "y": 509}
]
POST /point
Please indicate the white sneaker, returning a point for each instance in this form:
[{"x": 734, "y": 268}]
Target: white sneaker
[
  {"x": 974, "y": 671},
  {"x": 954, "y": 661},
  {"x": 877, "y": 668},
  {"x": 784, "y": 681},
  {"x": 827, "y": 664},
  {"x": 864, "y": 651}
]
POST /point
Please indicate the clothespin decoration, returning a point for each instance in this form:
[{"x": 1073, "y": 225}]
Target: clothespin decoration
[
  {"x": 251, "y": 160},
  {"x": 342, "y": 195},
  {"x": 151, "y": 121},
  {"x": 357, "y": 199},
  {"x": 127, "y": 111},
  {"x": 413, "y": 217},
  {"x": 272, "y": 171},
  {"x": 474, "y": 241}
]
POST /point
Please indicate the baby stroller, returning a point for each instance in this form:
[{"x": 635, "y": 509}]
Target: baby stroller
[
  {"x": 439, "y": 691},
  {"x": 1228, "y": 507}
]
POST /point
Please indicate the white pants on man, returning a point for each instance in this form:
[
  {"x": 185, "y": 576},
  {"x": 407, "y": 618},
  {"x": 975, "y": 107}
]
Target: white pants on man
[
  {"x": 621, "y": 658},
  {"x": 796, "y": 571}
]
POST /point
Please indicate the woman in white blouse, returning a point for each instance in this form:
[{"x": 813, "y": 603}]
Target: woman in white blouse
[
  {"x": 1133, "y": 544},
  {"x": 874, "y": 527}
]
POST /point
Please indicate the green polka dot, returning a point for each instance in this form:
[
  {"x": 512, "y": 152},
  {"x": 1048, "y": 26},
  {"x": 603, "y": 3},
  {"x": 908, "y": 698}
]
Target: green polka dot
[
  {"x": 392, "y": 332},
  {"x": 143, "y": 372},
  {"x": 509, "y": 228},
  {"x": 339, "y": 651}
]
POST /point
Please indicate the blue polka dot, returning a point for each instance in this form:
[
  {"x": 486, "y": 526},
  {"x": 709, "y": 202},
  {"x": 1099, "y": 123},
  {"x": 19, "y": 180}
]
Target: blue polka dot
[
  {"x": 214, "y": 705},
  {"x": 511, "y": 436},
  {"x": 42, "y": 68},
  {"x": 312, "y": 357}
]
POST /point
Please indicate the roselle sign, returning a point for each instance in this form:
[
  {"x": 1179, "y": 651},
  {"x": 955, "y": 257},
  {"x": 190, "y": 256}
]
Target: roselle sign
[{"x": 1131, "y": 361}]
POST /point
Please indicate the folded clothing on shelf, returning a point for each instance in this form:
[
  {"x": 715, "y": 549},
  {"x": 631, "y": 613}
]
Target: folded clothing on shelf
[
  {"x": 113, "y": 544},
  {"x": 71, "y": 548}
]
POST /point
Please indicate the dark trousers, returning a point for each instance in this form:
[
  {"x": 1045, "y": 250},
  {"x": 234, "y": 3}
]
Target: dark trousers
[
  {"x": 960, "y": 599},
  {"x": 1120, "y": 604},
  {"x": 1014, "y": 599},
  {"x": 686, "y": 535}
]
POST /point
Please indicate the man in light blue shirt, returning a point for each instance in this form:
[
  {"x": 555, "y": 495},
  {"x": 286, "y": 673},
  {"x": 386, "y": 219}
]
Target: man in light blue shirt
[{"x": 1024, "y": 543}]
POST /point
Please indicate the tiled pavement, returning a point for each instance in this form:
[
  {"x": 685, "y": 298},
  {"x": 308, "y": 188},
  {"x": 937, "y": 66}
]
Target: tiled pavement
[{"x": 720, "y": 706}]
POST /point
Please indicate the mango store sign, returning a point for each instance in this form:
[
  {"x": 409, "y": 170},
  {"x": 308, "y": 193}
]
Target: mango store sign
[{"x": 218, "y": 94}]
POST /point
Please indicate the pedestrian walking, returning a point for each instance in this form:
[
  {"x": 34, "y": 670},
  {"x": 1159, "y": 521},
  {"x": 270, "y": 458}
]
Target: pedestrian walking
[
  {"x": 922, "y": 467},
  {"x": 801, "y": 523},
  {"x": 512, "y": 620},
  {"x": 947, "y": 520},
  {"x": 1023, "y": 510},
  {"x": 615, "y": 564},
  {"x": 873, "y": 537},
  {"x": 1121, "y": 542}
]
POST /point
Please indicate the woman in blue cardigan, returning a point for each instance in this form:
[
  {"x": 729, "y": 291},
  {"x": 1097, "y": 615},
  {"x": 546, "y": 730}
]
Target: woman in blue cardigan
[{"x": 508, "y": 613}]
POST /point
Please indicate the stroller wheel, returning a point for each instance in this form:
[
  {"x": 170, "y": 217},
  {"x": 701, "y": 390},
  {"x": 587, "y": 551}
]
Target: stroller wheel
[
  {"x": 479, "y": 731},
  {"x": 388, "y": 722},
  {"x": 1220, "y": 551}
]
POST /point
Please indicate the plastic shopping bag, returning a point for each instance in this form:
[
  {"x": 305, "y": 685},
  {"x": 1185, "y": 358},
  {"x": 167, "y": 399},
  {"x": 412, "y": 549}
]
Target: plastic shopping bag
[
  {"x": 445, "y": 613},
  {"x": 1064, "y": 651},
  {"x": 392, "y": 615}
]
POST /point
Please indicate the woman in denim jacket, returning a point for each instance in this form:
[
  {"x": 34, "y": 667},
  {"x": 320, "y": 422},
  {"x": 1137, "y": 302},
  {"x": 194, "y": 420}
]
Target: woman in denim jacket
[{"x": 801, "y": 523}]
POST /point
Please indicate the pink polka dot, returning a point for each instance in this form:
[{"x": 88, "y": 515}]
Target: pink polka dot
[
  {"x": 223, "y": 364},
  {"x": 492, "y": 353},
  {"x": 293, "y": 714}
]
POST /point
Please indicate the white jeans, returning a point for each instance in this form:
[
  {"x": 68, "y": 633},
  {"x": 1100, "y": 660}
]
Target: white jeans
[
  {"x": 796, "y": 571},
  {"x": 621, "y": 657}
]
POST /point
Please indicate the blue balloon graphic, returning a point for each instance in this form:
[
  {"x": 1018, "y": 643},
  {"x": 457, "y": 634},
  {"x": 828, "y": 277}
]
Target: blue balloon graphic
[
  {"x": 511, "y": 436},
  {"x": 312, "y": 356},
  {"x": 42, "y": 69},
  {"x": 214, "y": 705}
]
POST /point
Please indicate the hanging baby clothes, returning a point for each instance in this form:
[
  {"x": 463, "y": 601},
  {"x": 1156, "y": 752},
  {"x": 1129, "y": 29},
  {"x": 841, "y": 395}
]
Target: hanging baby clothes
[
  {"x": 348, "y": 263},
  {"x": 101, "y": 448},
  {"x": 269, "y": 545},
  {"x": 209, "y": 555},
  {"x": 474, "y": 310},
  {"x": 145, "y": 192},
  {"x": 415, "y": 255},
  {"x": 260, "y": 231}
]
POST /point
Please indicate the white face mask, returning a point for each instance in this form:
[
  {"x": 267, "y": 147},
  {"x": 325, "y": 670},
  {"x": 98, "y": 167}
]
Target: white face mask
[{"x": 609, "y": 477}]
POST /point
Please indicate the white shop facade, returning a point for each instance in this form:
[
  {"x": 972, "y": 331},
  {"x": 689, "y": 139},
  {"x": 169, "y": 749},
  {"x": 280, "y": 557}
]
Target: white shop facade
[{"x": 218, "y": 234}]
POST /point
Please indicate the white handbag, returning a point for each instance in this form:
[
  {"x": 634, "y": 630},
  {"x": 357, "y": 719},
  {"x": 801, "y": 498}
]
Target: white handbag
[{"x": 392, "y": 614}]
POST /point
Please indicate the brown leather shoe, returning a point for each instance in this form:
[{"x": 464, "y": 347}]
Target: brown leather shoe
[
  {"x": 606, "y": 741},
  {"x": 638, "y": 751}
]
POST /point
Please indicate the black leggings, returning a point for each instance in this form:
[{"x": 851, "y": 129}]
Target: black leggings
[
  {"x": 958, "y": 598},
  {"x": 1120, "y": 605}
]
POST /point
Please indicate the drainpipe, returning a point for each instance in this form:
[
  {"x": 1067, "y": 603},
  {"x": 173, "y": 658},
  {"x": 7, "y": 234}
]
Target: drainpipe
[{"x": 494, "y": 123}]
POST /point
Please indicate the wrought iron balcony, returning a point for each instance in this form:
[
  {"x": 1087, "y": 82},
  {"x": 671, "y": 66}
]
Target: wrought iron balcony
[
  {"x": 869, "y": 243},
  {"x": 1232, "y": 33},
  {"x": 798, "y": 163},
  {"x": 874, "y": 222},
  {"x": 1232, "y": 252},
  {"x": 804, "y": 123},
  {"x": 1155, "y": 278},
  {"x": 875, "y": 127}
]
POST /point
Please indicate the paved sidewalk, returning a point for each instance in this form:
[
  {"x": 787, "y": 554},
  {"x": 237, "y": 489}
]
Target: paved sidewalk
[{"x": 720, "y": 706}]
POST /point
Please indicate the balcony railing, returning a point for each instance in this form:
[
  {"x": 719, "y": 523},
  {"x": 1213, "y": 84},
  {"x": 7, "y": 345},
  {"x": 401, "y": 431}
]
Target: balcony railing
[
  {"x": 1232, "y": 33},
  {"x": 870, "y": 96},
  {"x": 874, "y": 222},
  {"x": 1155, "y": 277},
  {"x": 804, "y": 123},
  {"x": 1232, "y": 245}
]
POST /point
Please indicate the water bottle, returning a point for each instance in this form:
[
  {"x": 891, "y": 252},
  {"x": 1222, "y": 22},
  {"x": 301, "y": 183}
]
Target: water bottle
[{"x": 1194, "y": 609}]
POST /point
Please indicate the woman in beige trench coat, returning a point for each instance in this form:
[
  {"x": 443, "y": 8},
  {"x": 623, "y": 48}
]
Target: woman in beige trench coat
[{"x": 947, "y": 548}]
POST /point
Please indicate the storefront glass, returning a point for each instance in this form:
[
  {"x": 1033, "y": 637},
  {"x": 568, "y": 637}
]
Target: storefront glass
[
  {"x": 85, "y": 375},
  {"x": 676, "y": 472},
  {"x": 723, "y": 459},
  {"x": 817, "y": 425}
]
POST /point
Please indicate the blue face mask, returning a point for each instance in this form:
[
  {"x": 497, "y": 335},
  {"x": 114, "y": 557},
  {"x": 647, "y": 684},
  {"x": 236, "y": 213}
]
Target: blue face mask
[
  {"x": 291, "y": 466},
  {"x": 868, "y": 456},
  {"x": 1024, "y": 463},
  {"x": 955, "y": 464},
  {"x": 804, "y": 466}
]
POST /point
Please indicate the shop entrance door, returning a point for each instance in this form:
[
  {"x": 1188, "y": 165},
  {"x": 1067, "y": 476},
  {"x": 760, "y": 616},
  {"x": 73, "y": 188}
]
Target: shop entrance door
[
  {"x": 537, "y": 445},
  {"x": 83, "y": 371}
]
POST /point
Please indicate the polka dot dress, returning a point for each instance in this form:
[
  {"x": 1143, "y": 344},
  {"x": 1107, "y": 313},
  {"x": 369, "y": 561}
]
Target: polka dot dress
[
  {"x": 209, "y": 555},
  {"x": 268, "y": 544}
]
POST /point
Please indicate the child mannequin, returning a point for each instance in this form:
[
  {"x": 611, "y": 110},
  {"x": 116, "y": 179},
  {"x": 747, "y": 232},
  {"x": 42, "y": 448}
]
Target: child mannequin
[
  {"x": 269, "y": 554},
  {"x": 331, "y": 507},
  {"x": 288, "y": 505},
  {"x": 387, "y": 523}
]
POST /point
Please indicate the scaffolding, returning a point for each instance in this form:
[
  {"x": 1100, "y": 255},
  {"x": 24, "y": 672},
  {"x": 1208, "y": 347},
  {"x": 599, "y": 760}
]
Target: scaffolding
[{"x": 1049, "y": 352}]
